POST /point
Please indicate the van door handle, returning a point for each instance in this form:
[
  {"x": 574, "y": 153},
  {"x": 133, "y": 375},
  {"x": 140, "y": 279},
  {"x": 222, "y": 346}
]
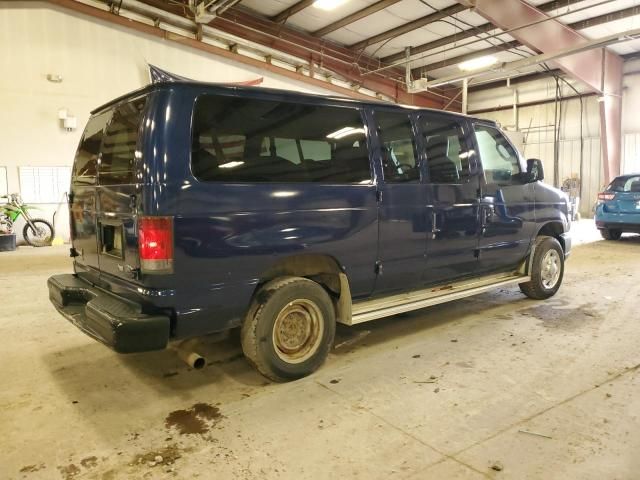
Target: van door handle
[
  {"x": 487, "y": 213},
  {"x": 434, "y": 224}
]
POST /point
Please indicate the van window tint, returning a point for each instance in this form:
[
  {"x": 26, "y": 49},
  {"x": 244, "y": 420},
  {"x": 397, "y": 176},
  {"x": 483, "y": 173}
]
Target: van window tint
[
  {"x": 446, "y": 150},
  {"x": 398, "y": 147},
  {"x": 117, "y": 165},
  {"x": 86, "y": 162},
  {"x": 278, "y": 142},
  {"x": 499, "y": 159}
]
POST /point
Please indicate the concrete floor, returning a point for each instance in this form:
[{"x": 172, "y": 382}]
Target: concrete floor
[{"x": 497, "y": 386}]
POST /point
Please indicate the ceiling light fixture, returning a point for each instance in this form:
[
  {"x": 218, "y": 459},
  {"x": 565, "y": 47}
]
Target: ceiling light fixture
[
  {"x": 478, "y": 63},
  {"x": 328, "y": 4}
]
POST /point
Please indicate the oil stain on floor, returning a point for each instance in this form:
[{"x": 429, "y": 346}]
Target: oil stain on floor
[
  {"x": 198, "y": 419},
  {"x": 562, "y": 316}
]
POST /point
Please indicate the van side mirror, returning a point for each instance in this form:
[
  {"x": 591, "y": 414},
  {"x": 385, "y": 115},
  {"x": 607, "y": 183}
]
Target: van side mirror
[{"x": 535, "y": 170}]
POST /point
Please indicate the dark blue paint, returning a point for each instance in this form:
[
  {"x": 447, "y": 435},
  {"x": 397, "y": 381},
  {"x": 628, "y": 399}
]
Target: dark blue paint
[{"x": 228, "y": 235}]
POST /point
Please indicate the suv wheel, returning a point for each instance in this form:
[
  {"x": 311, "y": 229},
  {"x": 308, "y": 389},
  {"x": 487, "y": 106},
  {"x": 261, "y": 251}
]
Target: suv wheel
[
  {"x": 610, "y": 233},
  {"x": 289, "y": 329},
  {"x": 547, "y": 269}
]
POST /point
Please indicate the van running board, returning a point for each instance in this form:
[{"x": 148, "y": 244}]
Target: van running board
[{"x": 406, "y": 302}]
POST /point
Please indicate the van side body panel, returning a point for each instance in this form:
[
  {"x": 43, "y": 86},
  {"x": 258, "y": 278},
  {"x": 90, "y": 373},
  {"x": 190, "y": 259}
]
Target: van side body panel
[{"x": 229, "y": 234}]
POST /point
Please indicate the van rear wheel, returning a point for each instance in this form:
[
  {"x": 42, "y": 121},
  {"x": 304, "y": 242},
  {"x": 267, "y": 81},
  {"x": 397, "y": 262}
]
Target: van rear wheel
[
  {"x": 289, "y": 329},
  {"x": 547, "y": 269}
]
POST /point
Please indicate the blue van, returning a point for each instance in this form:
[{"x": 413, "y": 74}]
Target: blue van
[{"x": 199, "y": 208}]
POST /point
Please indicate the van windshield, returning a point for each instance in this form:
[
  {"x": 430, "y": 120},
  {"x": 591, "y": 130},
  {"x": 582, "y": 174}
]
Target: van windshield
[{"x": 249, "y": 140}]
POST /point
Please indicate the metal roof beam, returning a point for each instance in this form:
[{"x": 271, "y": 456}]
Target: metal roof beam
[
  {"x": 338, "y": 59},
  {"x": 580, "y": 25},
  {"x": 292, "y": 10},
  {"x": 600, "y": 69},
  {"x": 354, "y": 17},
  {"x": 472, "y": 32},
  {"x": 408, "y": 27}
]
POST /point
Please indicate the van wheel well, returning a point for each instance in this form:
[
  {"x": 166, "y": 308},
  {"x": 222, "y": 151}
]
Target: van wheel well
[
  {"x": 553, "y": 229},
  {"x": 322, "y": 269}
]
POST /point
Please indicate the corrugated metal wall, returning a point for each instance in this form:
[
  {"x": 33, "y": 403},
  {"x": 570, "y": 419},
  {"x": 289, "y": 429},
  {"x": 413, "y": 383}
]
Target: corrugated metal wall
[
  {"x": 569, "y": 166},
  {"x": 631, "y": 153}
]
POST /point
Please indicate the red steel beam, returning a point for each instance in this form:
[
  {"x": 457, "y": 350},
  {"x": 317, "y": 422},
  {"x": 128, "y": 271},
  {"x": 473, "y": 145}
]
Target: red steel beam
[
  {"x": 205, "y": 47},
  {"x": 471, "y": 32},
  {"x": 580, "y": 25},
  {"x": 336, "y": 58},
  {"x": 599, "y": 69}
]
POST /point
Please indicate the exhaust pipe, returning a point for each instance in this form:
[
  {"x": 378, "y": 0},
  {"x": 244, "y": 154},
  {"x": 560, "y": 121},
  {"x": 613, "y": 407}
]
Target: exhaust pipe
[{"x": 186, "y": 353}]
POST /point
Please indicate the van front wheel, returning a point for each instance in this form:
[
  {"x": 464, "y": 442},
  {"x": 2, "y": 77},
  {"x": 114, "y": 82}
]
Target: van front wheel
[
  {"x": 289, "y": 329},
  {"x": 547, "y": 269}
]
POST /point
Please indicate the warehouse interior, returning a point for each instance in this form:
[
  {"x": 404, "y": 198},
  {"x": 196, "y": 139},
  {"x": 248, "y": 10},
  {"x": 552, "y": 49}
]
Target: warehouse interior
[{"x": 491, "y": 386}]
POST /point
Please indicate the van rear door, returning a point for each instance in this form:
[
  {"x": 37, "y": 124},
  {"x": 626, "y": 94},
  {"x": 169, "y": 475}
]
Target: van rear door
[
  {"x": 82, "y": 198},
  {"x": 118, "y": 193}
]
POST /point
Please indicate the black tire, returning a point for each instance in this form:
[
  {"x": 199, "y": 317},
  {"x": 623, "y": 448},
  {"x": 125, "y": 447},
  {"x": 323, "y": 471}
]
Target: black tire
[
  {"x": 610, "y": 233},
  {"x": 293, "y": 303},
  {"x": 33, "y": 238},
  {"x": 541, "y": 286}
]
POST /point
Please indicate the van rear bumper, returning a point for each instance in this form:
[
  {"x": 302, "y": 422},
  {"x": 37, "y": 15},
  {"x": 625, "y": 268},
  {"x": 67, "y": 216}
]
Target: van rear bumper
[{"x": 112, "y": 320}]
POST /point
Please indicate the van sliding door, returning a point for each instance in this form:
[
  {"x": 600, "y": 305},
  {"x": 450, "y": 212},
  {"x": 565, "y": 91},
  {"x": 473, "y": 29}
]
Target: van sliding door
[
  {"x": 401, "y": 203},
  {"x": 452, "y": 204}
]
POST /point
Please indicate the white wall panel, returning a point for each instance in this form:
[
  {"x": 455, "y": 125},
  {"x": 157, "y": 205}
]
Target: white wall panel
[{"x": 631, "y": 153}]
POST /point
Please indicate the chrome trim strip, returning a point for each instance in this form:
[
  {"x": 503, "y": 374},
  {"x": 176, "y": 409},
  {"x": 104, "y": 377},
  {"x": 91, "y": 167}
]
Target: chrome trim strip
[{"x": 406, "y": 302}]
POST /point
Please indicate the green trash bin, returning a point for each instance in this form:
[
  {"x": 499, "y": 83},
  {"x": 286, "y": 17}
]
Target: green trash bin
[{"x": 7, "y": 242}]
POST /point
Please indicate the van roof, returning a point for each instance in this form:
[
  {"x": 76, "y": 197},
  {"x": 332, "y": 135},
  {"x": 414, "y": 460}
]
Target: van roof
[{"x": 291, "y": 95}]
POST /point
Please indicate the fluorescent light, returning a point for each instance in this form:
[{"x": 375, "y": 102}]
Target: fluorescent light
[
  {"x": 345, "y": 132},
  {"x": 478, "y": 63},
  {"x": 328, "y": 4},
  {"x": 231, "y": 165}
]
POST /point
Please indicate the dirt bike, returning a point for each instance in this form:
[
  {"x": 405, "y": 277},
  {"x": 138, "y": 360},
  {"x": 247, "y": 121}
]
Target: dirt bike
[{"x": 37, "y": 232}]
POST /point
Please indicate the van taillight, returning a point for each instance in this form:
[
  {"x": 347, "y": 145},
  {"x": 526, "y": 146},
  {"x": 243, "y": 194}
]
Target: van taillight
[
  {"x": 155, "y": 242},
  {"x": 606, "y": 196}
]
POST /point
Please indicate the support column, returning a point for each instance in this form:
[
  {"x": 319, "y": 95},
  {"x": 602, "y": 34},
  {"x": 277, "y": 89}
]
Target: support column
[{"x": 599, "y": 69}]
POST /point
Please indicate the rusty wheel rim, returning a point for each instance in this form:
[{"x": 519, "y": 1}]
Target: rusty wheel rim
[{"x": 297, "y": 331}]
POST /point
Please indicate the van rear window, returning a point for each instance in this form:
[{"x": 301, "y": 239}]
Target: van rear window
[
  {"x": 247, "y": 140},
  {"x": 85, "y": 165},
  {"x": 117, "y": 165}
]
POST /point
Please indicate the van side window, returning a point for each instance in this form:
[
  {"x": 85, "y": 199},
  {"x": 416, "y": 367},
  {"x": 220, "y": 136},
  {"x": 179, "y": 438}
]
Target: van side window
[
  {"x": 447, "y": 151},
  {"x": 277, "y": 141},
  {"x": 398, "y": 147},
  {"x": 499, "y": 159},
  {"x": 117, "y": 165},
  {"x": 85, "y": 165}
]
